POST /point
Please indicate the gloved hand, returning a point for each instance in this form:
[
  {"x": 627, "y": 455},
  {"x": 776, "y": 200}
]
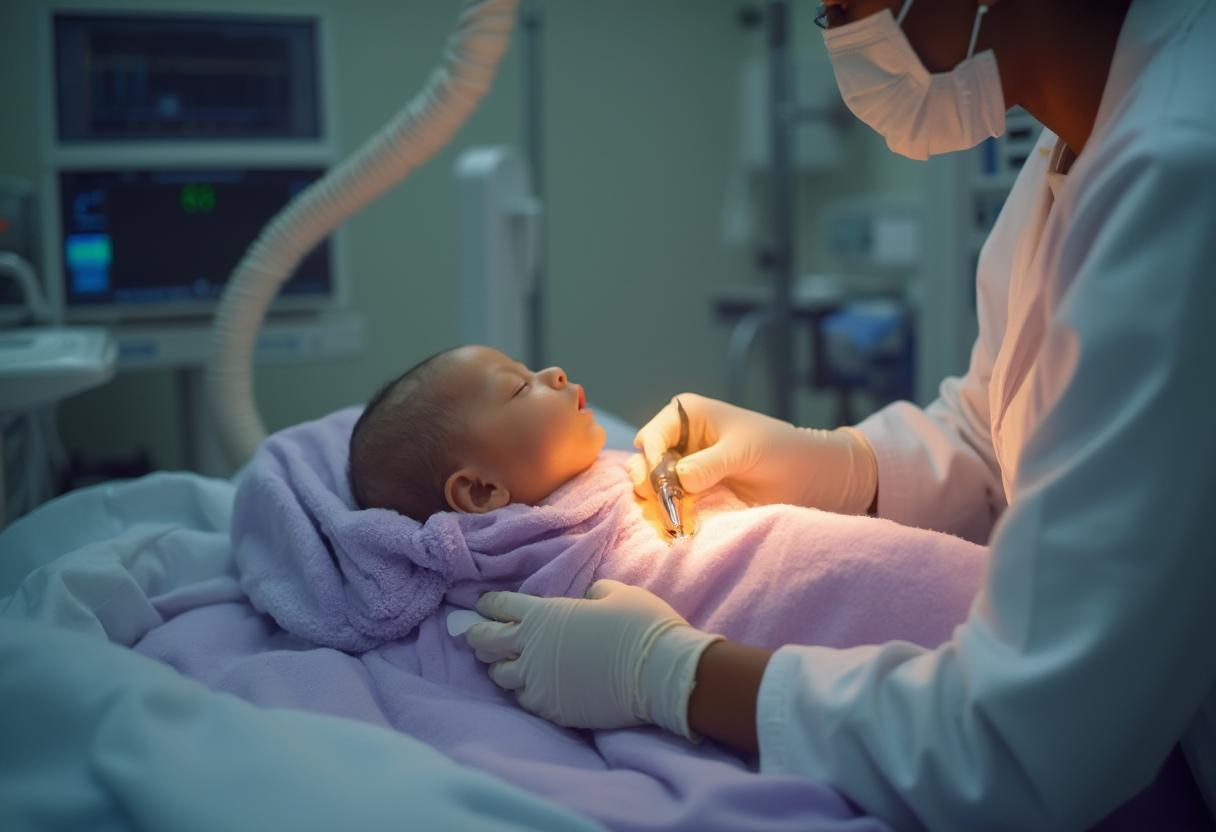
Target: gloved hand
[
  {"x": 762, "y": 459},
  {"x": 620, "y": 657}
]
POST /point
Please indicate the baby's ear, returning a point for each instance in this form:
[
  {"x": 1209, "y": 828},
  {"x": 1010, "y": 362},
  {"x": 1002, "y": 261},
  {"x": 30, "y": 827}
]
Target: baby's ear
[{"x": 470, "y": 491}]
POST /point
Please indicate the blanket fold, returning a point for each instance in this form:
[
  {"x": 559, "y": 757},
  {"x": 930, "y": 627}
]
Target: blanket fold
[{"x": 325, "y": 573}]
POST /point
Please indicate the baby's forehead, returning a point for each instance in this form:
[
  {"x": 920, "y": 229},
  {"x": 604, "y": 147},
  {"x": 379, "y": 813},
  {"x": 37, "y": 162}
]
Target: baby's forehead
[{"x": 472, "y": 371}]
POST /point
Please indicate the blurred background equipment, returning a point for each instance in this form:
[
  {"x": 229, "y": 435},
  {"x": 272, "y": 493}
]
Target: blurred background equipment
[{"x": 171, "y": 139}]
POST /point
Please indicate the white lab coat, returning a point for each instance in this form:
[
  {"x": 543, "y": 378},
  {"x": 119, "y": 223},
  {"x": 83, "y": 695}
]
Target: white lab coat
[{"x": 1087, "y": 410}]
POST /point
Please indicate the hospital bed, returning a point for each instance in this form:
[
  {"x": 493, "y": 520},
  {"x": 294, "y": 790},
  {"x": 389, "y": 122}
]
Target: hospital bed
[{"x": 96, "y": 736}]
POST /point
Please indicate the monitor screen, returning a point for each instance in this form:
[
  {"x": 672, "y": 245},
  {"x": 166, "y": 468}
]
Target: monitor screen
[
  {"x": 134, "y": 238},
  {"x": 123, "y": 77}
]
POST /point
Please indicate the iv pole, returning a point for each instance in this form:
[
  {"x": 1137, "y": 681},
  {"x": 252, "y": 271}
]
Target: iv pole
[
  {"x": 777, "y": 319},
  {"x": 532, "y": 23},
  {"x": 781, "y": 251}
]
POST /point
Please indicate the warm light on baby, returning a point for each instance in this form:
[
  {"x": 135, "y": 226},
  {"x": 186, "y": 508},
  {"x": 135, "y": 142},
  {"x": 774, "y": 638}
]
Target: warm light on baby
[{"x": 471, "y": 430}]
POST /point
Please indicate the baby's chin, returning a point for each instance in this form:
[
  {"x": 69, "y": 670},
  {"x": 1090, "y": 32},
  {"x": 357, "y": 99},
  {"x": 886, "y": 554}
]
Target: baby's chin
[
  {"x": 594, "y": 449},
  {"x": 587, "y": 455},
  {"x": 593, "y": 454},
  {"x": 600, "y": 441},
  {"x": 583, "y": 471}
]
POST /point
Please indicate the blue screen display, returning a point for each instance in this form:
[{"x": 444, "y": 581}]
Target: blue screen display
[
  {"x": 169, "y": 236},
  {"x": 88, "y": 263}
]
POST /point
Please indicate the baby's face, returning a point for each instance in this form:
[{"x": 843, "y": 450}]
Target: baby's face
[{"x": 531, "y": 430}]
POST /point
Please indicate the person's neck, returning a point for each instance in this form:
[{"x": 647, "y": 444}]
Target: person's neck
[{"x": 1054, "y": 60}]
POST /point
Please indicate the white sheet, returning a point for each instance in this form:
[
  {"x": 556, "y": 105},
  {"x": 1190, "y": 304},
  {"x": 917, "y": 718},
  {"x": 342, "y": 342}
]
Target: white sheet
[{"x": 98, "y": 737}]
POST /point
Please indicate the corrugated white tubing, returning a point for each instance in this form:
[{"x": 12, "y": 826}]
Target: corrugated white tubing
[{"x": 415, "y": 134}]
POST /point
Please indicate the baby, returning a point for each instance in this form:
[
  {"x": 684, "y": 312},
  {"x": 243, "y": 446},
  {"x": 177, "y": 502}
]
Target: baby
[{"x": 470, "y": 430}]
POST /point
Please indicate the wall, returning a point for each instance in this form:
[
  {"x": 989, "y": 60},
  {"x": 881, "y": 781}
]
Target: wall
[{"x": 641, "y": 129}]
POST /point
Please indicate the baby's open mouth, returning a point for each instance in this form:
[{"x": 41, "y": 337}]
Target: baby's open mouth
[{"x": 582, "y": 397}]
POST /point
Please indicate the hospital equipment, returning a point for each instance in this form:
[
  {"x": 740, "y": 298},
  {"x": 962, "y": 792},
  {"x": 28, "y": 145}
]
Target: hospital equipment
[
  {"x": 155, "y": 242},
  {"x": 532, "y": 26},
  {"x": 410, "y": 138},
  {"x": 665, "y": 481},
  {"x": 869, "y": 348},
  {"x": 814, "y": 298},
  {"x": 169, "y": 140},
  {"x": 19, "y": 236},
  {"x": 817, "y": 148},
  {"x": 783, "y": 117},
  {"x": 875, "y": 235},
  {"x": 499, "y": 222},
  {"x": 788, "y": 112},
  {"x": 500, "y": 203},
  {"x": 40, "y": 365}
]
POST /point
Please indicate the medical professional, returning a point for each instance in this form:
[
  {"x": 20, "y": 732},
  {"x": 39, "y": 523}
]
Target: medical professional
[{"x": 1080, "y": 445}]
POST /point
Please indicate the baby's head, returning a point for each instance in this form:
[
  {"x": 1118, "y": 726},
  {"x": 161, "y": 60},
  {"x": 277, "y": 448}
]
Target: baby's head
[{"x": 470, "y": 430}]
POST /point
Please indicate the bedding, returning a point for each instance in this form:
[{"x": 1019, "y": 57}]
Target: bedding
[
  {"x": 343, "y": 612},
  {"x": 95, "y": 736}
]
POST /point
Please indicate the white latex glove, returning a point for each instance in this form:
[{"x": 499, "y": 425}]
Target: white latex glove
[
  {"x": 762, "y": 459},
  {"x": 620, "y": 657}
]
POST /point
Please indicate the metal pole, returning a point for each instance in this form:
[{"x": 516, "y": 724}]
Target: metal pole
[
  {"x": 781, "y": 108},
  {"x": 532, "y": 22}
]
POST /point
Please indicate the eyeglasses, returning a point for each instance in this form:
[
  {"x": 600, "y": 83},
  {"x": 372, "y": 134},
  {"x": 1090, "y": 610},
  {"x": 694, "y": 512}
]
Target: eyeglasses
[{"x": 831, "y": 14}]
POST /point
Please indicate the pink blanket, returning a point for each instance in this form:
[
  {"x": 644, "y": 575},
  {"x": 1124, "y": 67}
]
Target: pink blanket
[{"x": 774, "y": 575}]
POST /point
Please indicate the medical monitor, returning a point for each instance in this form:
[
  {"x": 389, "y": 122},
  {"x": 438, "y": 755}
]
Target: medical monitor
[
  {"x": 185, "y": 78},
  {"x": 171, "y": 139},
  {"x": 147, "y": 241}
]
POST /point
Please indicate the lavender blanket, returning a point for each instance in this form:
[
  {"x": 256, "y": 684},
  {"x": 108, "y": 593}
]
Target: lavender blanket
[{"x": 348, "y": 611}]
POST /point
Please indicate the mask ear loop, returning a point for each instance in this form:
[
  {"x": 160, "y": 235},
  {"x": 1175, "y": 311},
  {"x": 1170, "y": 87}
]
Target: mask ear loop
[
  {"x": 975, "y": 27},
  {"x": 903, "y": 12}
]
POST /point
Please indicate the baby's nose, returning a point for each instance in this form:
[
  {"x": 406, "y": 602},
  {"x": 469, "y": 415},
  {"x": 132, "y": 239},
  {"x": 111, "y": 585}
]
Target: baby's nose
[{"x": 554, "y": 377}]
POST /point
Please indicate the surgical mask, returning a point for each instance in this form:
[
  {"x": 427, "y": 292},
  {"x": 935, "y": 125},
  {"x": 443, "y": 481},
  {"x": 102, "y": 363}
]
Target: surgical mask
[{"x": 919, "y": 113}]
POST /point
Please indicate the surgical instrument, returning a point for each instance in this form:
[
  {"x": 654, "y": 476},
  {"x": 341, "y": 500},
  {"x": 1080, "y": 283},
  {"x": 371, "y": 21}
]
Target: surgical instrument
[{"x": 667, "y": 487}]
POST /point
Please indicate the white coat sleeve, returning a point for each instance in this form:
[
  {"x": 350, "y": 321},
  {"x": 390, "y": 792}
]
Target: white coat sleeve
[
  {"x": 1088, "y": 652},
  {"x": 936, "y": 467}
]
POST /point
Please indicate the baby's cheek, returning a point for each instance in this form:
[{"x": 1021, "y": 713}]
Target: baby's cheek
[
  {"x": 536, "y": 441},
  {"x": 564, "y": 451},
  {"x": 546, "y": 446}
]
